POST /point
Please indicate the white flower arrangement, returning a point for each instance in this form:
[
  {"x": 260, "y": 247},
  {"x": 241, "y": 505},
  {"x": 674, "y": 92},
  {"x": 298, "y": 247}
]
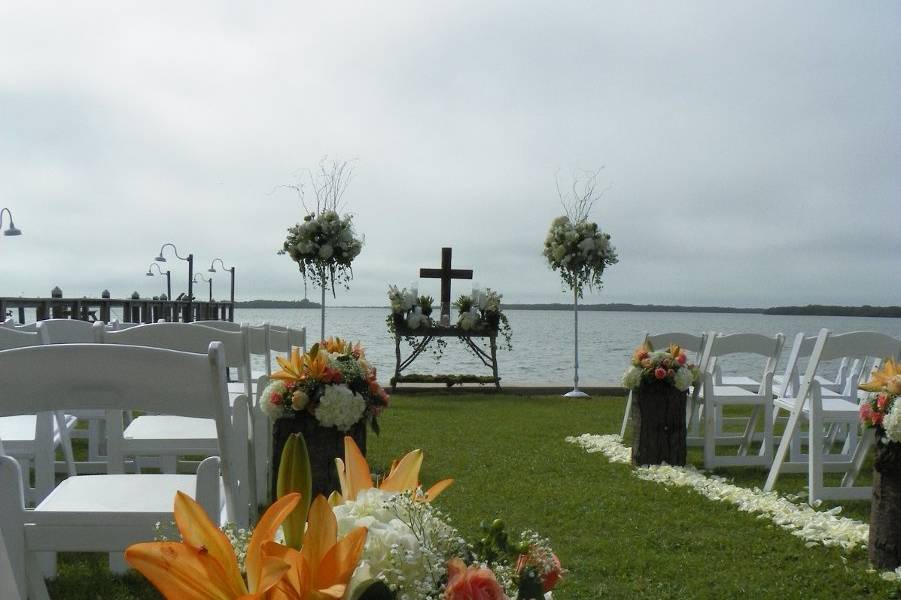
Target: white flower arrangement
[
  {"x": 891, "y": 423},
  {"x": 579, "y": 250},
  {"x": 340, "y": 407},
  {"x": 272, "y": 403},
  {"x": 408, "y": 543}
]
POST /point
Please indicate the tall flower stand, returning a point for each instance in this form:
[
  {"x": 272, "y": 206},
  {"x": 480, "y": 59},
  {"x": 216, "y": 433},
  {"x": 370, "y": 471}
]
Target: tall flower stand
[
  {"x": 658, "y": 420},
  {"x": 885, "y": 510},
  {"x": 324, "y": 444}
]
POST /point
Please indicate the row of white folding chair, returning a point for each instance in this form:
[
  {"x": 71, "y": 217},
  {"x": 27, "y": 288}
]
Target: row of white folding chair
[
  {"x": 170, "y": 437},
  {"x": 107, "y": 513},
  {"x": 825, "y": 413},
  {"x": 18, "y": 434}
]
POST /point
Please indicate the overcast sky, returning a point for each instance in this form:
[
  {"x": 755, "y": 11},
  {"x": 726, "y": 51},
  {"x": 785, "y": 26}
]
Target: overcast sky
[{"x": 751, "y": 151}]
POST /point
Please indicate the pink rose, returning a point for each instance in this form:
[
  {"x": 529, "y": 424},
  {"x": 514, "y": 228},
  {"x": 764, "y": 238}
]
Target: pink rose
[
  {"x": 881, "y": 401},
  {"x": 471, "y": 583},
  {"x": 659, "y": 372},
  {"x": 275, "y": 399},
  {"x": 671, "y": 373},
  {"x": 866, "y": 413},
  {"x": 681, "y": 359}
]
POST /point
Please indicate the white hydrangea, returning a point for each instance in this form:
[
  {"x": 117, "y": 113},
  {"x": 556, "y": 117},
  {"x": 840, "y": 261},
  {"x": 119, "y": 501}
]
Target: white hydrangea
[
  {"x": 632, "y": 378},
  {"x": 340, "y": 407},
  {"x": 892, "y": 422},
  {"x": 271, "y": 400},
  {"x": 684, "y": 379},
  {"x": 412, "y": 566}
]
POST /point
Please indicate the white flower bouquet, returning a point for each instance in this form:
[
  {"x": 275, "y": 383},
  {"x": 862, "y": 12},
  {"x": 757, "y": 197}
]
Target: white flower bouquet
[
  {"x": 324, "y": 245},
  {"x": 579, "y": 250}
]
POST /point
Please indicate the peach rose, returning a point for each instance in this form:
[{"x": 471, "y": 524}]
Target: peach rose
[
  {"x": 471, "y": 583},
  {"x": 549, "y": 580}
]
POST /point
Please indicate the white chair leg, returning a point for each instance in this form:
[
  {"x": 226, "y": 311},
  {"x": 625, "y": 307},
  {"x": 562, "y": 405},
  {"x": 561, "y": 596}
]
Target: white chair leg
[
  {"x": 860, "y": 454},
  {"x": 117, "y": 563},
  {"x": 622, "y": 431},
  {"x": 709, "y": 434},
  {"x": 12, "y": 511},
  {"x": 47, "y": 562},
  {"x": 37, "y": 589},
  {"x": 168, "y": 464},
  {"x": 815, "y": 449}
]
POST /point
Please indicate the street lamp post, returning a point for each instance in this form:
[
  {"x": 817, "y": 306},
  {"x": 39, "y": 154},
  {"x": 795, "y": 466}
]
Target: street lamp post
[
  {"x": 168, "y": 278},
  {"x": 190, "y": 259},
  {"x": 231, "y": 270},
  {"x": 210, "y": 281},
  {"x": 12, "y": 230}
]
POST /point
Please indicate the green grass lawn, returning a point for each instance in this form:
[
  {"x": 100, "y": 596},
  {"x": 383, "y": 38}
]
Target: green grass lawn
[{"x": 619, "y": 537}]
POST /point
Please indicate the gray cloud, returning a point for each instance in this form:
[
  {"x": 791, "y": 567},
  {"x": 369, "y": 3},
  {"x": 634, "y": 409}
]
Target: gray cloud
[{"x": 750, "y": 152}]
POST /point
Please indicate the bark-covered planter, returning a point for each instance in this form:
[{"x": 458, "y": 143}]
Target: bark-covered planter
[
  {"x": 658, "y": 425},
  {"x": 885, "y": 509},
  {"x": 324, "y": 444}
]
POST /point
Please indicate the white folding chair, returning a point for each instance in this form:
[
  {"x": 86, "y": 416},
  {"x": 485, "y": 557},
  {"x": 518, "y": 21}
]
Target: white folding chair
[
  {"x": 74, "y": 331},
  {"x": 8, "y": 588},
  {"x": 715, "y": 397},
  {"x": 826, "y": 414},
  {"x": 691, "y": 343},
  {"x": 170, "y": 436},
  {"x": 19, "y": 433},
  {"x": 107, "y": 513}
]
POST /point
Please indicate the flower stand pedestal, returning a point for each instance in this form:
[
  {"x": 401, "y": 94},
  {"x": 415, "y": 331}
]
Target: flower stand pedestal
[
  {"x": 658, "y": 419},
  {"x": 885, "y": 510},
  {"x": 324, "y": 444}
]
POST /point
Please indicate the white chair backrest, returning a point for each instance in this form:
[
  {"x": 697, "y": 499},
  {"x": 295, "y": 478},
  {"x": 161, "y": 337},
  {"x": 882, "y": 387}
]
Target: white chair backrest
[
  {"x": 27, "y": 327},
  {"x": 8, "y": 322},
  {"x": 184, "y": 337},
  {"x": 278, "y": 339},
  {"x": 13, "y": 338},
  {"x": 223, "y": 325},
  {"x": 66, "y": 331},
  {"x": 688, "y": 341},
  {"x": 802, "y": 347},
  {"x": 747, "y": 343},
  {"x": 115, "y": 378}
]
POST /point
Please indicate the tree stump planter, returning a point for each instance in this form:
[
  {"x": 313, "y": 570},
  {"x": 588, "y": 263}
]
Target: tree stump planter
[
  {"x": 658, "y": 420},
  {"x": 885, "y": 509},
  {"x": 324, "y": 444}
]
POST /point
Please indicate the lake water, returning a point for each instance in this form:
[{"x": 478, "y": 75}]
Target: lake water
[{"x": 543, "y": 340}]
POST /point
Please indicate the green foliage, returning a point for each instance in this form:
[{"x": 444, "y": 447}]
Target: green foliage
[
  {"x": 463, "y": 303},
  {"x": 426, "y": 303},
  {"x": 295, "y": 475}
]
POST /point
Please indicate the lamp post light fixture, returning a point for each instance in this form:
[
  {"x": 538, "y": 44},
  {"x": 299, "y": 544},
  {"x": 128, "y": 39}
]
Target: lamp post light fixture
[
  {"x": 210, "y": 281},
  {"x": 231, "y": 270},
  {"x": 168, "y": 275},
  {"x": 12, "y": 230},
  {"x": 190, "y": 260}
]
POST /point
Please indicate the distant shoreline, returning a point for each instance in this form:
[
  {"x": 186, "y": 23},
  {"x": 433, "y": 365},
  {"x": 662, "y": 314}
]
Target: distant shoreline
[{"x": 818, "y": 310}]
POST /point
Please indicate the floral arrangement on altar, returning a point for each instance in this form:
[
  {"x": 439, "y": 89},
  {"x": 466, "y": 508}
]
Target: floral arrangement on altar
[
  {"x": 479, "y": 312},
  {"x": 669, "y": 366},
  {"x": 333, "y": 382},
  {"x": 882, "y": 410}
]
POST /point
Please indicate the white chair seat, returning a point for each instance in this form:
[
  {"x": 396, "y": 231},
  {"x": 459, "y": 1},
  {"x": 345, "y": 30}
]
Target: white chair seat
[
  {"x": 191, "y": 433},
  {"x": 733, "y": 394},
  {"x": 740, "y": 381},
  {"x": 834, "y": 408},
  {"x": 20, "y": 429},
  {"x": 118, "y": 494}
]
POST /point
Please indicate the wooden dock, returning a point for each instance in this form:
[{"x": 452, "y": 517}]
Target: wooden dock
[{"x": 132, "y": 310}]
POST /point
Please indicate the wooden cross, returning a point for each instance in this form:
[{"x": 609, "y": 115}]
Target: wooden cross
[{"x": 445, "y": 274}]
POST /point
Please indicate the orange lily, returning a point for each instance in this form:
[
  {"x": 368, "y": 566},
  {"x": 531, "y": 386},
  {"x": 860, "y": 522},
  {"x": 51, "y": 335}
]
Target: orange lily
[
  {"x": 674, "y": 350},
  {"x": 887, "y": 379},
  {"x": 315, "y": 365},
  {"x": 355, "y": 476},
  {"x": 203, "y": 565},
  {"x": 292, "y": 369},
  {"x": 322, "y": 569},
  {"x": 336, "y": 345}
]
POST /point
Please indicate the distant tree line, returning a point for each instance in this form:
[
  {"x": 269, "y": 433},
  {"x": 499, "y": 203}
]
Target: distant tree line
[
  {"x": 822, "y": 310},
  {"x": 277, "y": 304},
  {"x": 625, "y": 307}
]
